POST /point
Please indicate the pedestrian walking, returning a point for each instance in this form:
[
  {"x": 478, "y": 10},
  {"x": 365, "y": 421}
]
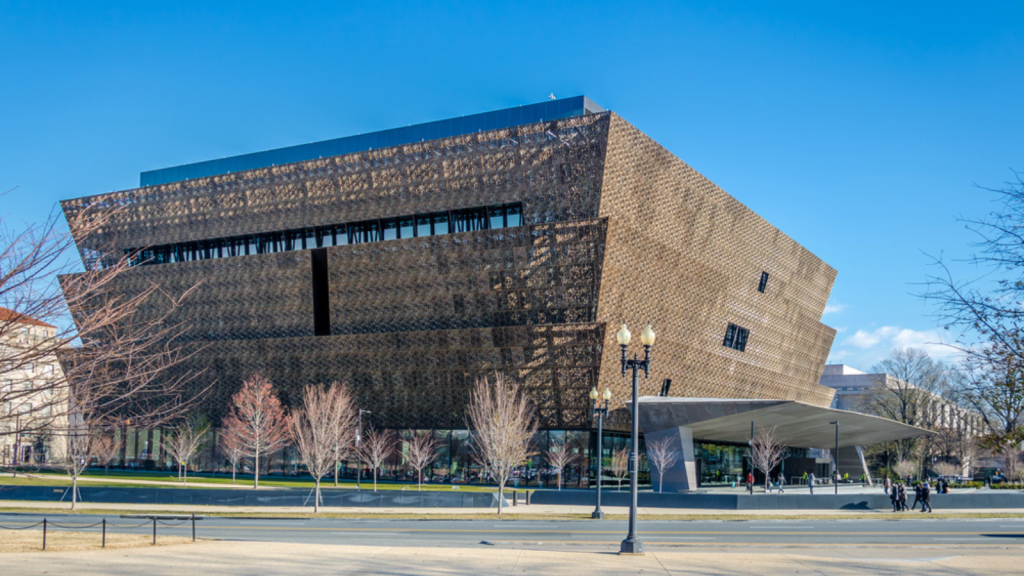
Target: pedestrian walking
[
  {"x": 895, "y": 497},
  {"x": 750, "y": 481},
  {"x": 917, "y": 496},
  {"x": 903, "y": 497},
  {"x": 888, "y": 484},
  {"x": 810, "y": 482},
  {"x": 926, "y": 498},
  {"x": 782, "y": 483}
]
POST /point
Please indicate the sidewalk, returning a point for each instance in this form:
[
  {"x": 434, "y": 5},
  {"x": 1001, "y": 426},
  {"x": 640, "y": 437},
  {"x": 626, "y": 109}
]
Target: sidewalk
[{"x": 272, "y": 559}]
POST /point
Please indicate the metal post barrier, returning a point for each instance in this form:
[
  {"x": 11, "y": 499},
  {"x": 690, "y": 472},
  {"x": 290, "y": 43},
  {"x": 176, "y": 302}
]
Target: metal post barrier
[
  {"x": 154, "y": 530},
  {"x": 193, "y": 526},
  {"x": 527, "y": 497},
  {"x": 515, "y": 497},
  {"x": 104, "y": 544},
  {"x": 44, "y": 533}
]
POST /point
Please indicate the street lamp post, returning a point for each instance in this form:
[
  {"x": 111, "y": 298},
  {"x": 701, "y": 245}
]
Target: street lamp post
[
  {"x": 359, "y": 435},
  {"x": 836, "y": 457},
  {"x": 600, "y": 413},
  {"x": 632, "y": 544}
]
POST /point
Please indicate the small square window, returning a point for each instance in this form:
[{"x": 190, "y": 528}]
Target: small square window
[
  {"x": 736, "y": 337},
  {"x": 764, "y": 282}
]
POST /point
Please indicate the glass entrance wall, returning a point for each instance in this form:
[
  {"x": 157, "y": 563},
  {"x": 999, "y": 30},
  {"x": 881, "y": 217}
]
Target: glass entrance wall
[
  {"x": 720, "y": 464},
  {"x": 454, "y": 461}
]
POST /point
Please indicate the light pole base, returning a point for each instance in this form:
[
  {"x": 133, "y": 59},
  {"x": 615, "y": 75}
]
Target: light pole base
[
  {"x": 597, "y": 515},
  {"x": 632, "y": 546}
]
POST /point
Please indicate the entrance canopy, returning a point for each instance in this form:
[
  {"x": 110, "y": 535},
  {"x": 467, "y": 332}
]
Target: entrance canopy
[{"x": 796, "y": 424}]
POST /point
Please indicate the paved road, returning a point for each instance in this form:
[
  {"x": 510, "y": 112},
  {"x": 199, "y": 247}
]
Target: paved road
[{"x": 581, "y": 533}]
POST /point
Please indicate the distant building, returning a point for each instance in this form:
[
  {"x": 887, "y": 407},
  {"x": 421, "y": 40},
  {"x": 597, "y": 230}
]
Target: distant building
[
  {"x": 854, "y": 390},
  {"x": 29, "y": 392}
]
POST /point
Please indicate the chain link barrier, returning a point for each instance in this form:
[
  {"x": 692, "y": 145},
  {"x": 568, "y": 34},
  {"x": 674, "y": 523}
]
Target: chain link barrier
[{"x": 151, "y": 521}]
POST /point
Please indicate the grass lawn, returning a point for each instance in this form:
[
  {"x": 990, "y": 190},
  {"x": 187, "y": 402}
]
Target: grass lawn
[
  {"x": 57, "y": 541},
  {"x": 124, "y": 477}
]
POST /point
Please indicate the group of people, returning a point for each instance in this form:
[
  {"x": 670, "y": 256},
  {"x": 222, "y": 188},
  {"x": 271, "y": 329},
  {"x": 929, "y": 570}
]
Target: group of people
[{"x": 898, "y": 495}]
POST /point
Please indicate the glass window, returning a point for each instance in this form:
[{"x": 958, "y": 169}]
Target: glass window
[
  {"x": 735, "y": 337},
  {"x": 514, "y": 216},
  {"x": 422, "y": 226},
  {"x": 764, "y": 282},
  {"x": 440, "y": 224},
  {"x": 405, "y": 228},
  {"x": 391, "y": 229},
  {"x": 495, "y": 218},
  {"x": 341, "y": 235}
]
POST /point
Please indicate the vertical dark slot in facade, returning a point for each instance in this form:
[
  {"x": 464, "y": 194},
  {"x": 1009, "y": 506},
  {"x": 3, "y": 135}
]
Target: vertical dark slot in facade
[
  {"x": 321, "y": 296},
  {"x": 764, "y": 282}
]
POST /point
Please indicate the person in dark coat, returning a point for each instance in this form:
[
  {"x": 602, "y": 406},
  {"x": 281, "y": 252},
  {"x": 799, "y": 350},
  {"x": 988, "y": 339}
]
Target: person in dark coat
[
  {"x": 926, "y": 498},
  {"x": 903, "y": 497},
  {"x": 917, "y": 497},
  {"x": 894, "y": 495}
]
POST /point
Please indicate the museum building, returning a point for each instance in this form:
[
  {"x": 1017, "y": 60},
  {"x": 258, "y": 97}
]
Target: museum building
[{"x": 411, "y": 261}]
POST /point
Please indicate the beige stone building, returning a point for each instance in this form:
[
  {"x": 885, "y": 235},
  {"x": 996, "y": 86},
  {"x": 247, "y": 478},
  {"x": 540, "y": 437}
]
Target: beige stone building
[{"x": 33, "y": 409}]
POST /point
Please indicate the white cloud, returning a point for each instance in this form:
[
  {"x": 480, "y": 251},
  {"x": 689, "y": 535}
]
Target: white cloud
[
  {"x": 837, "y": 355},
  {"x": 862, "y": 339},
  {"x": 874, "y": 345},
  {"x": 929, "y": 340},
  {"x": 834, "y": 308}
]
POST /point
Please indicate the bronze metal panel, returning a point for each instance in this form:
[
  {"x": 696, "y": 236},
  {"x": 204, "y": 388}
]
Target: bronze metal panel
[{"x": 688, "y": 257}]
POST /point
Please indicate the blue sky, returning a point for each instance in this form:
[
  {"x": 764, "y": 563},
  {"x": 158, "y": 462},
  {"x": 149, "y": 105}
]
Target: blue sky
[{"x": 859, "y": 130}]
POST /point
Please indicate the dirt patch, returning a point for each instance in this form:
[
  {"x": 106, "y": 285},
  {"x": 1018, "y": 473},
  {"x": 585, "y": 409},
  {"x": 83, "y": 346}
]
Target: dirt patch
[{"x": 57, "y": 541}]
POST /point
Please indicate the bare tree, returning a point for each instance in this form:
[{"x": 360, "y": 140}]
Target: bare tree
[
  {"x": 421, "y": 451},
  {"x": 233, "y": 449},
  {"x": 106, "y": 448},
  {"x": 324, "y": 422},
  {"x": 905, "y": 467},
  {"x": 560, "y": 456},
  {"x": 948, "y": 469},
  {"x": 662, "y": 456},
  {"x": 766, "y": 452},
  {"x": 376, "y": 447},
  {"x": 258, "y": 420},
  {"x": 619, "y": 466},
  {"x": 183, "y": 441},
  {"x": 119, "y": 356},
  {"x": 503, "y": 423}
]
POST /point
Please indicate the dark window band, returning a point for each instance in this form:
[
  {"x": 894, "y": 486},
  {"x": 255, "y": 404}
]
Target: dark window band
[{"x": 420, "y": 225}]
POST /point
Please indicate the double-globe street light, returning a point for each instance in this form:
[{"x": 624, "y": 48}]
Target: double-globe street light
[
  {"x": 600, "y": 413},
  {"x": 632, "y": 544}
]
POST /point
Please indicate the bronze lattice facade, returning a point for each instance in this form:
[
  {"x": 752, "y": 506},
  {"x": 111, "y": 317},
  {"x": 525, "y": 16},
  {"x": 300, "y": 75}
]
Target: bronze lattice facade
[{"x": 410, "y": 322}]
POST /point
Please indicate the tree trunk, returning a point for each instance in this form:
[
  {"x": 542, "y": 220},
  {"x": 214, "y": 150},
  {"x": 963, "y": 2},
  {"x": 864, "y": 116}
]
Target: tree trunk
[
  {"x": 184, "y": 478},
  {"x": 256, "y": 470},
  {"x": 501, "y": 494},
  {"x": 661, "y": 480},
  {"x": 316, "y": 498},
  {"x": 419, "y": 487},
  {"x": 234, "y": 465},
  {"x": 335, "y": 470},
  {"x": 74, "y": 492},
  {"x": 374, "y": 478},
  {"x": 106, "y": 469},
  {"x": 559, "y": 480}
]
